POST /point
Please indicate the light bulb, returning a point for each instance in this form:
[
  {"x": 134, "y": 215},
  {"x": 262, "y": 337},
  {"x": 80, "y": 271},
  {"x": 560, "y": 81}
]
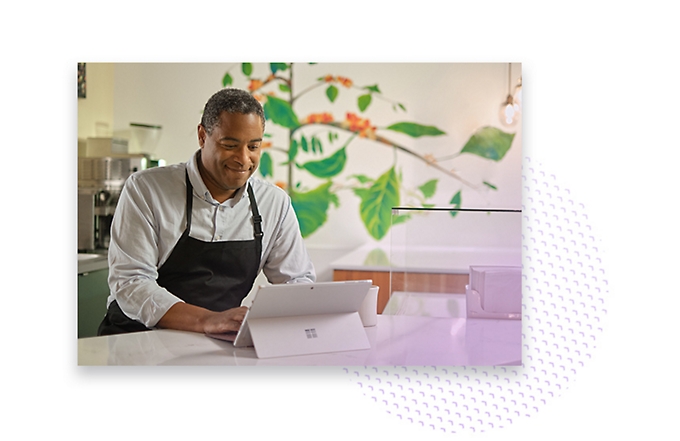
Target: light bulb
[{"x": 508, "y": 113}]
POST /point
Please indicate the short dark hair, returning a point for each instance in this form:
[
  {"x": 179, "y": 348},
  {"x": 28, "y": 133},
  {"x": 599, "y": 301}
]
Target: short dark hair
[{"x": 230, "y": 100}]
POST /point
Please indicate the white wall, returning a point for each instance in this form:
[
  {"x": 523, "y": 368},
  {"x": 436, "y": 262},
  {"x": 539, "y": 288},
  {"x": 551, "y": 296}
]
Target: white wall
[
  {"x": 96, "y": 109},
  {"x": 457, "y": 98}
]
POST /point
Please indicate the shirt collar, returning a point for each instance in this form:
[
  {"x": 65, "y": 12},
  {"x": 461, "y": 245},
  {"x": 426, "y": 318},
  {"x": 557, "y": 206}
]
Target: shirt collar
[{"x": 200, "y": 188}]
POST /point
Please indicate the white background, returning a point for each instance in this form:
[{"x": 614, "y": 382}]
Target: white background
[{"x": 601, "y": 110}]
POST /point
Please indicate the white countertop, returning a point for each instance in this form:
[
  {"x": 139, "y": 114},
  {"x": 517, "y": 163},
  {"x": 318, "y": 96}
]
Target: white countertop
[
  {"x": 92, "y": 262},
  {"x": 395, "y": 341}
]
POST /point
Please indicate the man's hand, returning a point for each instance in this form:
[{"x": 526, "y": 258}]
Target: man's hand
[
  {"x": 186, "y": 317},
  {"x": 225, "y": 322}
]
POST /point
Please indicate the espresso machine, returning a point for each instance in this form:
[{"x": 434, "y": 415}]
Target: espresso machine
[{"x": 100, "y": 181}]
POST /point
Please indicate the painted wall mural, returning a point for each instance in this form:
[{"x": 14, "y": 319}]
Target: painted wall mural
[{"x": 316, "y": 144}]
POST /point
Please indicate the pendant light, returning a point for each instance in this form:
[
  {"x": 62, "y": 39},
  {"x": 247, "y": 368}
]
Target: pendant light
[
  {"x": 517, "y": 95},
  {"x": 509, "y": 111}
]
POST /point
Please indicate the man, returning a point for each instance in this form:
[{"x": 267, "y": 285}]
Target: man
[{"x": 188, "y": 240}]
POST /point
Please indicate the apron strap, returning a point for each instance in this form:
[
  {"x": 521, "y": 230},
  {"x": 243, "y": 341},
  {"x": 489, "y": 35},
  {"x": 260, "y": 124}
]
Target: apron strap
[
  {"x": 257, "y": 223},
  {"x": 190, "y": 200}
]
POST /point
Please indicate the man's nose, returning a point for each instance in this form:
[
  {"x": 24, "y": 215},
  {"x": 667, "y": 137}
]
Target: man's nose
[{"x": 242, "y": 156}]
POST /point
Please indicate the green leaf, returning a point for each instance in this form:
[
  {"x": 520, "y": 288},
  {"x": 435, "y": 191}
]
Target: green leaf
[
  {"x": 456, "y": 202},
  {"x": 400, "y": 219},
  {"x": 362, "y": 178},
  {"x": 415, "y": 130},
  {"x": 311, "y": 207},
  {"x": 373, "y": 88},
  {"x": 293, "y": 150},
  {"x": 329, "y": 167},
  {"x": 284, "y": 88},
  {"x": 266, "y": 165},
  {"x": 332, "y": 93},
  {"x": 364, "y": 101},
  {"x": 429, "y": 188},
  {"x": 316, "y": 145},
  {"x": 490, "y": 185},
  {"x": 304, "y": 144},
  {"x": 280, "y": 112},
  {"x": 402, "y": 107},
  {"x": 377, "y": 202},
  {"x": 490, "y": 143},
  {"x": 275, "y": 67},
  {"x": 247, "y": 69},
  {"x": 361, "y": 192},
  {"x": 227, "y": 80}
]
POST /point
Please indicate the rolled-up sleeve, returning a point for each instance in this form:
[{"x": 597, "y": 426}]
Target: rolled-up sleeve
[
  {"x": 134, "y": 257},
  {"x": 288, "y": 260}
]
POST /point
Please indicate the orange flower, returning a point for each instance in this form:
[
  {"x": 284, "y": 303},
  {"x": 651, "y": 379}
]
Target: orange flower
[
  {"x": 255, "y": 84},
  {"x": 359, "y": 125},
  {"x": 319, "y": 118},
  {"x": 266, "y": 144},
  {"x": 342, "y": 80},
  {"x": 281, "y": 184},
  {"x": 345, "y": 81},
  {"x": 368, "y": 132},
  {"x": 259, "y": 97}
]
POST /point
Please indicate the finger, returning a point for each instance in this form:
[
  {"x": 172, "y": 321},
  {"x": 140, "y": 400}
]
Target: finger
[
  {"x": 238, "y": 314},
  {"x": 223, "y": 327}
]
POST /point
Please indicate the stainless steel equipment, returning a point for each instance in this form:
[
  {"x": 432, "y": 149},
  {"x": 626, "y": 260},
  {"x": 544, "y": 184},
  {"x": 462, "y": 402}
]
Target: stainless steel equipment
[{"x": 100, "y": 181}]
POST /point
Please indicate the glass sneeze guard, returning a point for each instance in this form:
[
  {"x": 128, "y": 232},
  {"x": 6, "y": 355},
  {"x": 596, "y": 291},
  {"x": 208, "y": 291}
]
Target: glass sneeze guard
[{"x": 432, "y": 251}]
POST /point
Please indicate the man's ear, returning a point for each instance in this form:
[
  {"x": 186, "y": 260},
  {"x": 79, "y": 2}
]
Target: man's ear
[{"x": 202, "y": 135}]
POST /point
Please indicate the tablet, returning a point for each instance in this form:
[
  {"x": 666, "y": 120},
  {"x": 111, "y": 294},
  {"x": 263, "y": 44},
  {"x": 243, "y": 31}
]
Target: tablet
[{"x": 304, "y": 318}]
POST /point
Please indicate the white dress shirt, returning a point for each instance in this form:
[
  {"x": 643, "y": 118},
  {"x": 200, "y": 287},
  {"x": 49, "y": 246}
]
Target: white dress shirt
[{"x": 151, "y": 216}]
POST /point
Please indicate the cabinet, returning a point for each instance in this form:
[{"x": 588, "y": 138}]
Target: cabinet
[
  {"x": 401, "y": 281},
  {"x": 93, "y": 290}
]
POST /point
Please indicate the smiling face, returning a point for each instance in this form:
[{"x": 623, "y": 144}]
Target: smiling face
[{"x": 230, "y": 153}]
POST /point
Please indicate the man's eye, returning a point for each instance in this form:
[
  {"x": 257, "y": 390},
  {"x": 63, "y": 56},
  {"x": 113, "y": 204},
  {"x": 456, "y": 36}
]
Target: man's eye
[{"x": 254, "y": 147}]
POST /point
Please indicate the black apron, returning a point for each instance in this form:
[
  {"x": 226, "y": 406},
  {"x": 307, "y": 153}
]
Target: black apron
[{"x": 213, "y": 275}]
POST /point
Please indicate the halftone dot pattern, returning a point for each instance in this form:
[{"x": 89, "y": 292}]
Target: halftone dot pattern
[{"x": 563, "y": 307}]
